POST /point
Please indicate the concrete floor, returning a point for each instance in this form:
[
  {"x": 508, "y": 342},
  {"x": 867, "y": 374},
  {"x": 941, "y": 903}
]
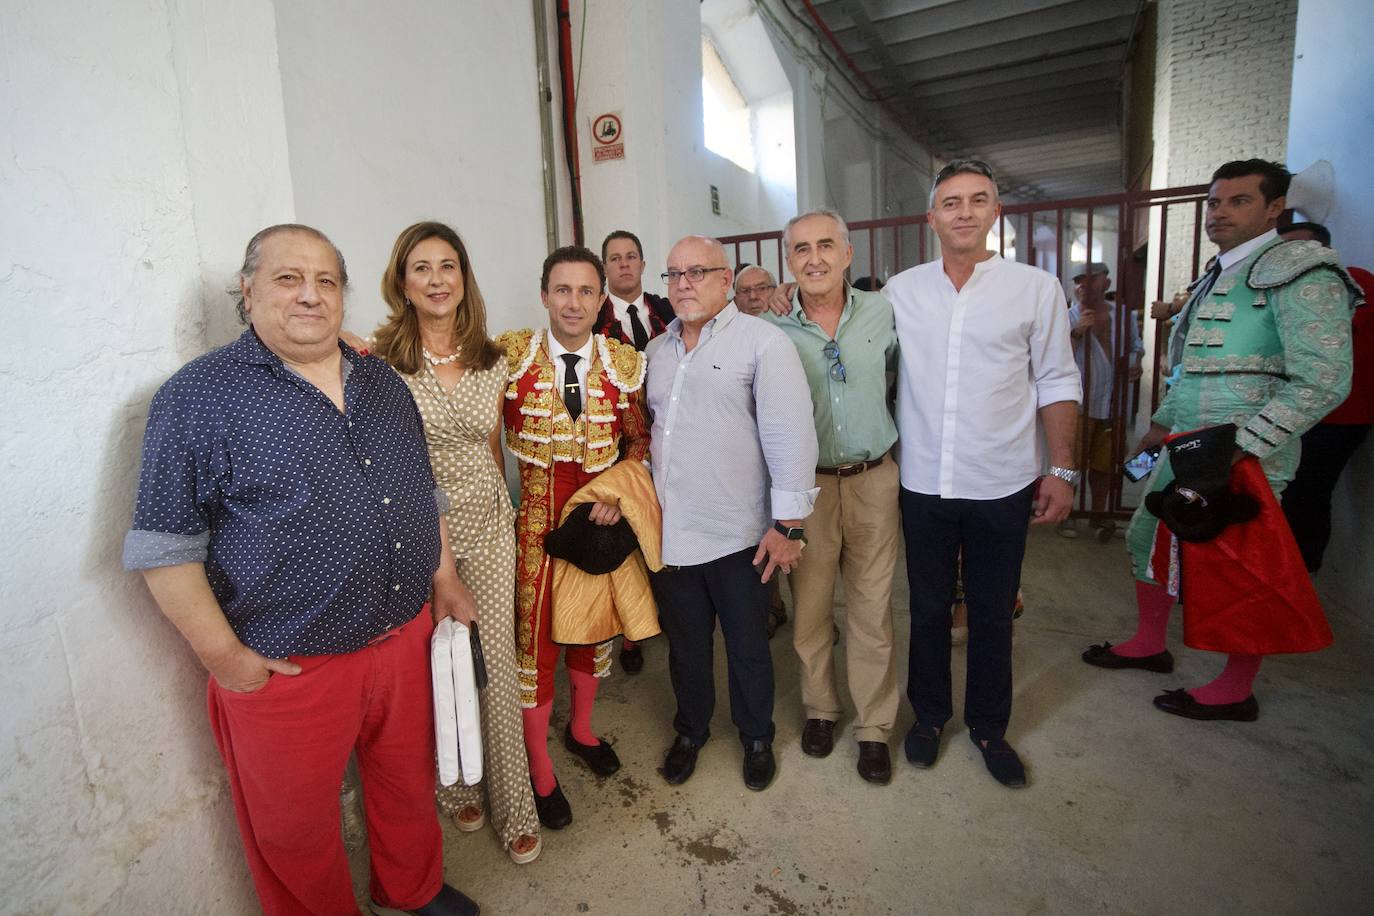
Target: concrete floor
[{"x": 1129, "y": 810}]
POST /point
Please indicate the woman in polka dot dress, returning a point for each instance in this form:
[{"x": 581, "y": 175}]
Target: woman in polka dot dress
[{"x": 436, "y": 339}]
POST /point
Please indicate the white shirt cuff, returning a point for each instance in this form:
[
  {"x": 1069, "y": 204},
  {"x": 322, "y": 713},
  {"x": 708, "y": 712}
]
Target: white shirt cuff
[{"x": 789, "y": 504}]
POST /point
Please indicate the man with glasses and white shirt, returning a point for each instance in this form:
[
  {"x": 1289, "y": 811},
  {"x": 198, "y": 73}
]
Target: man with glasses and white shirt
[
  {"x": 734, "y": 459},
  {"x": 986, "y": 364},
  {"x": 848, "y": 344}
]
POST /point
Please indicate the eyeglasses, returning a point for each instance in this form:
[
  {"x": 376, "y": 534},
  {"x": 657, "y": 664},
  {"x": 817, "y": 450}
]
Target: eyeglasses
[
  {"x": 756, "y": 290},
  {"x": 832, "y": 351},
  {"x": 693, "y": 274}
]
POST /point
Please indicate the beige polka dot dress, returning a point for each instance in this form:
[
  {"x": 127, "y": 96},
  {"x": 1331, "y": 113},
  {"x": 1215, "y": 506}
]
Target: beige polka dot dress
[{"x": 481, "y": 526}]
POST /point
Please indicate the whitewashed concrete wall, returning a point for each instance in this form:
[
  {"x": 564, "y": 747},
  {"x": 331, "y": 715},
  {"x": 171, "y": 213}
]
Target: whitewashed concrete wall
[
  {"x": 1332, "y": 118},
  {"x": 644, "y": 60},
  {"x": 426, "y": 111},
  {"x": 143, "y": 143}
]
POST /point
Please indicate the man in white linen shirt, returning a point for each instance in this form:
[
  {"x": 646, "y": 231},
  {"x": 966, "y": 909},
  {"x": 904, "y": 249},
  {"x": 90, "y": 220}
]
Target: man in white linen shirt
[
  {"x": 985, "y": 364},
  {"x": 734, "y": 460}
]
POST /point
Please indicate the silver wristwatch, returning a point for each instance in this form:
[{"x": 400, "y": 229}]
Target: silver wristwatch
[{"x": 1068, "y": 475}]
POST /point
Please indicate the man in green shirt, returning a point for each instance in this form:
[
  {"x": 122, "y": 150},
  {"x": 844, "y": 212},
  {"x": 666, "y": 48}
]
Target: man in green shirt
[{"x": 847, "y": 341}]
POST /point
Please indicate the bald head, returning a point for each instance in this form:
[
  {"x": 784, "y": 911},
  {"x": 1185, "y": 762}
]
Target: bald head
[{"x": 698, "y": 301}]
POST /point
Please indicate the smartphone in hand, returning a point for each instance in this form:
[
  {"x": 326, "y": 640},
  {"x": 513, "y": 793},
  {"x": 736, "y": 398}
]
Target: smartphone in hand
[{"x": 1139, "y": 467}]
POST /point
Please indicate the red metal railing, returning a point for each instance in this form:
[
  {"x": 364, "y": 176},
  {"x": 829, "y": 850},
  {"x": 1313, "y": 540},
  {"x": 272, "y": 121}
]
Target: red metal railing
[{"x": 1053, "y": 235}]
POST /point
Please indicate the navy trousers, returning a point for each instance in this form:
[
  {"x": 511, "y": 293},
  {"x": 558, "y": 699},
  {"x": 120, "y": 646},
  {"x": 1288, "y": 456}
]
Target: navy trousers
[
  {"x": 991, "y": 534},
  {"x": 690, "y": 600},
  {"x": 1326, "y": 448}
]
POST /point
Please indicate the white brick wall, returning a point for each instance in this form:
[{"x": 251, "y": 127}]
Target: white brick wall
[{"x": 1223, "y": 69}]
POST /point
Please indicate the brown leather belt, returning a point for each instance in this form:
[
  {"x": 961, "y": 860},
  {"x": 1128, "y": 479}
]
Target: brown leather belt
[{"x": 849, "y": 470}]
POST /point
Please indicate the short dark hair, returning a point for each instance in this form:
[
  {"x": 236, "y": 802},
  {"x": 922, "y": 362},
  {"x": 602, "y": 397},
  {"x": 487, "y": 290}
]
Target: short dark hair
[
  {"x": 961, "y": 167},
  {"x": 622, "y": 234},
  {"x": 1319, "y": 231},
  {"x": 571, "y": 254},
  {"x": 1274, "y": 176}
]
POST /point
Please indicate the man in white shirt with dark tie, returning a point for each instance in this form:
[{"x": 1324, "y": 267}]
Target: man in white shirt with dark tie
[
  {"x": 985, "y": 366},
  {"x": 630, "y": 315}
]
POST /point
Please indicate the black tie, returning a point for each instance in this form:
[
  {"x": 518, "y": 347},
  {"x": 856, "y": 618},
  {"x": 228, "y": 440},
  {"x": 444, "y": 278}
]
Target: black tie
[
  {"x": 572, "y": 391},
  {"x": 641, "y": 335}
]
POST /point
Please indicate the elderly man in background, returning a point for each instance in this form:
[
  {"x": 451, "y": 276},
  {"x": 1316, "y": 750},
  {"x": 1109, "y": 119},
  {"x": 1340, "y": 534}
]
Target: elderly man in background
[
  {"x": 1093, "y": 324},
  {"x": 734, "y": 458},
  {"x": 287, "y": 525},
  {"x": 985, "y": 367},
  {"x": 847, "y": 342},
  {"x": 753, "y": 286}
]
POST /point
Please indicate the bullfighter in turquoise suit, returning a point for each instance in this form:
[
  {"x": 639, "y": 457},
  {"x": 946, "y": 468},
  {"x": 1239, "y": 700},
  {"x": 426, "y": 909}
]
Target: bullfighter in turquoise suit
[{"x": 1264, "y": 344}]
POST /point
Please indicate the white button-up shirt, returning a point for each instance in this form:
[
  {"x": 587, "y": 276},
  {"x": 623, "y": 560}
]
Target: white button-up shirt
[
  {"x": 976, "y": 365},
  {"x": 621, "y": 308},
  {"x": 733, "y": 444}
]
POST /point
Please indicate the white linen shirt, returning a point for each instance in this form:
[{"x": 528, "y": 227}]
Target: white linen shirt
[
  {"x": 976, "y": 365},
  {"x": 733, "y": 442}
]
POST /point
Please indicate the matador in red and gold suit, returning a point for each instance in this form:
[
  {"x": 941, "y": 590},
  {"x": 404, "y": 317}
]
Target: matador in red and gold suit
[{"x": 557, "y": 455}]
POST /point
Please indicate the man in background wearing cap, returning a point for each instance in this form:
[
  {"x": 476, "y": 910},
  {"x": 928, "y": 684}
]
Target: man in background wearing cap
[{"x": 1093, "y": 321}]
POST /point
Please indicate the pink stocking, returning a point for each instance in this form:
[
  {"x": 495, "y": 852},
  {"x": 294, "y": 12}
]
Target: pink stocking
[
  {"x": 1233, "y": 684},
  {"x": 537, "y": 746},
  {"x": 583, "y": 698},
  {"x": 1153, "y": 603}
]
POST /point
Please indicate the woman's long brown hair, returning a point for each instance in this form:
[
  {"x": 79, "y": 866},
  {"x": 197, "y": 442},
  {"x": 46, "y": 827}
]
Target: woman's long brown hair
[{"x": 398, "y": 339}]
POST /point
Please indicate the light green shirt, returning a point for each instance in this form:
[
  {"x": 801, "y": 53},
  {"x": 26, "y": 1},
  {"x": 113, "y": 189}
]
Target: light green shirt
[{"x": 853, "y": 419}]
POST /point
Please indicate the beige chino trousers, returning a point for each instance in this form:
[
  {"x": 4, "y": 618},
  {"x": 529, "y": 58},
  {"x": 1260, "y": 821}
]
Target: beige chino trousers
[{"x": 854, "y": 531}]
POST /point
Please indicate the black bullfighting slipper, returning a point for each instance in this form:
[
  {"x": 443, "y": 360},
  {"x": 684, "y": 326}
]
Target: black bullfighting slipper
[
  {"x": 599, "y": 757},
  {"x": 1182, "y": 703},
  {"x": 553, "y": 809},
  {"x": 632, "y": 659},
  {"x": 1103, "y": 657}
]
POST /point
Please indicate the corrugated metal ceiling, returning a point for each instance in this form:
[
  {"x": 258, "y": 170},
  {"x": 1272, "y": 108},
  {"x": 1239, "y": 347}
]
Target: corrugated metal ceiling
[{"x": 1032, "y": 86}]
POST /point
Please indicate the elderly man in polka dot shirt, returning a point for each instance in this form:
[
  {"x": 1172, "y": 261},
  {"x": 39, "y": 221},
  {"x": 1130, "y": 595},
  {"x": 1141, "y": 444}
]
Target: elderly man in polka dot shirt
[{"x": 287, "y": 524}]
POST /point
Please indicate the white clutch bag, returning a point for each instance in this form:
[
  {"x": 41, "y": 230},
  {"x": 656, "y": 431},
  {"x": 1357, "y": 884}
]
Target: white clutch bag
[{"x": 457, "y": 721}]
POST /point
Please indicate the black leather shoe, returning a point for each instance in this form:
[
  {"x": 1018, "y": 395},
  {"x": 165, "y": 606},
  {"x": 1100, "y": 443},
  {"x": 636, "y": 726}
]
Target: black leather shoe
[
  {"x": 1181, "y": 703},
  {"x": 875, "y": 763},
  {"x": 1002, "y": 761},
  {"x": 448, "y": 902},
  {"x": 759, "y": 765},
  {"x": 680, "y": 761},
  {"x": 818, "y": 737},
  {"x": 922, "y": 745},
  {"x": 600, "y": 758},
  {"x": 632, "y": 659},
  {"x": 553, "y": 809},
  {"x": 1103, "y": 657}
]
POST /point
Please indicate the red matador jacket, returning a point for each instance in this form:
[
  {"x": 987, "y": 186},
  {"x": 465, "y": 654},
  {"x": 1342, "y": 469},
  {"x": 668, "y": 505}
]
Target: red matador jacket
[
  {"x": 558, "y": 455},
  {"x": 1246, "y": 591}
]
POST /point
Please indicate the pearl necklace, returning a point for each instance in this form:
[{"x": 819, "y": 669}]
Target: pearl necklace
[{"x": 440, "y": 360}]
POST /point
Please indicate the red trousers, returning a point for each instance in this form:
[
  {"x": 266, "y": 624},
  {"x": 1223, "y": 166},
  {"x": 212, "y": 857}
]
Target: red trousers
[{"x": 285, "y": 747}]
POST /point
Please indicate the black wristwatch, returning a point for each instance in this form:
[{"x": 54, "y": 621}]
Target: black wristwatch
[{"x": 792, "y": 534}]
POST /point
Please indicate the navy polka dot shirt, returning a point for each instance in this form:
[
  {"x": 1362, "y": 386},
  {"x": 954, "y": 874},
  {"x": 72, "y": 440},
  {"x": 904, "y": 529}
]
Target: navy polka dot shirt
[{"x": 319, "y": 530}]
